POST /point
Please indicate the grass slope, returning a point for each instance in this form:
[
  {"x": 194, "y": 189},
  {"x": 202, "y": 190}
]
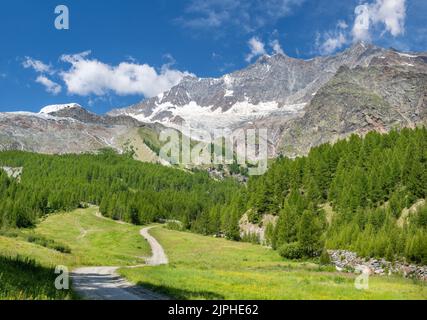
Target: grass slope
[
  {"x": 208, "y": 268},
  {"x": 24, "y": 279},
  {"x": 27, "y": 269},
  {"x": 96, "y": 241}
]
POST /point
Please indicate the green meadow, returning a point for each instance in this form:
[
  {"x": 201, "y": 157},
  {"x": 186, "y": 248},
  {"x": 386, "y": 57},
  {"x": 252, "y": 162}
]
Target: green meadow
[
  {"x": 27, "y": 266},
  {"x": 209, "y": 268},
  {"x": 200, "y": 267}
]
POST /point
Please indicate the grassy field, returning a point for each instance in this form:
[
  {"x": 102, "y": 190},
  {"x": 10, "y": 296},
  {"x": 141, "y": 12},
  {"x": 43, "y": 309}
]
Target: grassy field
[
  {"x": 25, "y": 279},
  {"x": 200, "y": 267},
  {"x": 208, "y": 268},
  {"x": 93, "y": 241}
]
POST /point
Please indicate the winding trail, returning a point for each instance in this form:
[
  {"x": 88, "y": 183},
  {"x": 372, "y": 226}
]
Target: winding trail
[
  {"x": 159, "y": 257},
  {"x": 104, "y": 283}
]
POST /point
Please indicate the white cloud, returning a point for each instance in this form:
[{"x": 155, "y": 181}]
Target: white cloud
[
  {"x": 332, "y": 43},
  {"x": 342, "y": 25},
  {"x": 42, "y": 69},
  {"x": 390, "y": 14},
  {"x": 371, "y": 19},
  {"x": 277, "y": 48},
  {"x": 90, "y": 76},
  {"x": 37, "y": 65},
  {"x": 362, "y": 23},
  {"x": 257, "y": 48},
  {"x": 247, "y": 15},
  {"x": 51, "y": 87},
  {"x": 393, "y": 14}
]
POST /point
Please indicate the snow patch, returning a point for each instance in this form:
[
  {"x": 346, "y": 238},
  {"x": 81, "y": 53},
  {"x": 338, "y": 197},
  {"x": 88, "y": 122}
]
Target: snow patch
[
  {"x": 42, "y": 116},
  {"x": 406, "y": 55},
  {"x": 229, "y": 93},
  {"x": 208, "y": 118},
  {"x": 160, "y": 97},
  {"x": 228, "y": 81},
  {"x": 58, "y": 107}
]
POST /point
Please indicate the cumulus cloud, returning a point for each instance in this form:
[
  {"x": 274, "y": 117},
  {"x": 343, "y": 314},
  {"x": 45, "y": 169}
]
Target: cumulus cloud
[
  {"x": 331, "y": 42},
  {"x": 51, "y": 87},
  {"x": 277, "y": 48},
  {"x": 43, "y": 69},
  {"x": 342, "y": 24},
  {"x": 257, "y": 48},
  {"x": 362, "y": 23},
  {"x": 371, "y": 19},
  {"x": 390, "y": 14},
  {"x": 36, "y": 65},
  {"x": 89, "y": 76},
  {"x": 247, "y": 15}
]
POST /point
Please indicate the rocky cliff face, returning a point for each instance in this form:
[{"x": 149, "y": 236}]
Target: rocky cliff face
[
  {"x": 80, "y": 114},
  {"x": 54, "y": 135},
  {"x": 302, "y": 103},
  {"x": 273, "y": 85},
  {"x": 391, "y": 92}
]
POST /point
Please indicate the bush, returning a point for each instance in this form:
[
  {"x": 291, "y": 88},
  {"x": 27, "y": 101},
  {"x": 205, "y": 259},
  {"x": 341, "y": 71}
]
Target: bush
[
  {"x": 291, "y": 251},
  {"x": 254, "y": 217},
  {"x": 324, "y": 258},
  {"x": 8, "y": 233},
  {"x": 48, "y": 243},
  {"x": 251, "y": 238},
  {"x": 61, "y": 248},
  {"x": 174, "y": 225}
]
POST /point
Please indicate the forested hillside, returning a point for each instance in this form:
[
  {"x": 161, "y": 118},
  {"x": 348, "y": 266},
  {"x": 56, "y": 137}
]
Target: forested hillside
[
  {"x": 350, "y": 195},
  {"x": 124, "y": 189},
  {"x": 367, "y": 181}
]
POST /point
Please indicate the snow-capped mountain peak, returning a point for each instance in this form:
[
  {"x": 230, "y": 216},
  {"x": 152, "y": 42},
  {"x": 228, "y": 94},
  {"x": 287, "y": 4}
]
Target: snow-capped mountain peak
[
  {"x": 58, "y": 107},
  {"x": 274, "y": 87}
]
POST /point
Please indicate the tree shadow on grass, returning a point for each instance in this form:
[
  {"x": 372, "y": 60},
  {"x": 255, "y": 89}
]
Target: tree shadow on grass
[
  {"x": 181, "y": 294},
  {"x": 25, "y": 279}
]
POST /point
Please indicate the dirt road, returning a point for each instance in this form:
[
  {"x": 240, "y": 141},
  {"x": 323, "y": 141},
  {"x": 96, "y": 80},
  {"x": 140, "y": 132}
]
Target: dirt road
[{"x": 104, "y": 283}]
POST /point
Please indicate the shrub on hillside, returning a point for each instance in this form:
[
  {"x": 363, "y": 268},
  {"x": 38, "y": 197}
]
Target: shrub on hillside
[
  {"x": 324, "y": 258},
  {"x": 48, "y": 243},
  {"x": 291, "y": 251},
  {"x": 174, "y": 225},
  {"x": 251, "y": 238}
]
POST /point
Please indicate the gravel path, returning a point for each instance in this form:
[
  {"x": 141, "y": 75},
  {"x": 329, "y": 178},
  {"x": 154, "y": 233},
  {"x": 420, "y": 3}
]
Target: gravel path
[
  {"x": 104, "y": 283},
  {"x": 159, "y": 257}
]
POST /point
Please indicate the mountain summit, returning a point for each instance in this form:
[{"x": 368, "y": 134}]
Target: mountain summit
[
  {"x": 275, "y": 86},
  {"x": 58, "y": 107},
  {"x": 278, "y": 90},
  {"x": 302, "y": 103}
]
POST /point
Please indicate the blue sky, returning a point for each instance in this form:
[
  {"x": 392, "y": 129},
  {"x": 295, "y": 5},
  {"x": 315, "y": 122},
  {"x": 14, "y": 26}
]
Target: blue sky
[{"x": 119, "y": 52}]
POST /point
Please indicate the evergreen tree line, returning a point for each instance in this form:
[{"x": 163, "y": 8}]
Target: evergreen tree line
[
  {"x": 349, "y": 195},
  {"x": 367, "y": 181},
  {"x": 124, "y": 189}
]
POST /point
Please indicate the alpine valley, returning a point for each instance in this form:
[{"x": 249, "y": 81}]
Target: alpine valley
[{"x": 345, "y": 190}]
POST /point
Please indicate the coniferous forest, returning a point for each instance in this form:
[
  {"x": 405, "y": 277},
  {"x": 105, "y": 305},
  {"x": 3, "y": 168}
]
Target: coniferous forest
[
  {"x": 354, "y": 194},
  {"x": 124, "y": 189},
  {"x": 367, "y": 181}
]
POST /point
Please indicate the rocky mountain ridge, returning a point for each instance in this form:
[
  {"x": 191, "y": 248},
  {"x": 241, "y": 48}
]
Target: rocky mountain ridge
[
  {"x": 302, "y": 103},
  {"x": 280, "y": 93}
]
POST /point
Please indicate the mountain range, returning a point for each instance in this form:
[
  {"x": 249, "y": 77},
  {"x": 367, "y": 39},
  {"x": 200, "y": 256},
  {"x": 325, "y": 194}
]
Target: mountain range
[{"x": 302, "y": 103}]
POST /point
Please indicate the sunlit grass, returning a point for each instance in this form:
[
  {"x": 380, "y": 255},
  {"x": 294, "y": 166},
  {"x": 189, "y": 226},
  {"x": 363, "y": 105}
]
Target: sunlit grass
[
  {"x": 208, "y": 268},
  {"x": 27, "y": 269}
]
